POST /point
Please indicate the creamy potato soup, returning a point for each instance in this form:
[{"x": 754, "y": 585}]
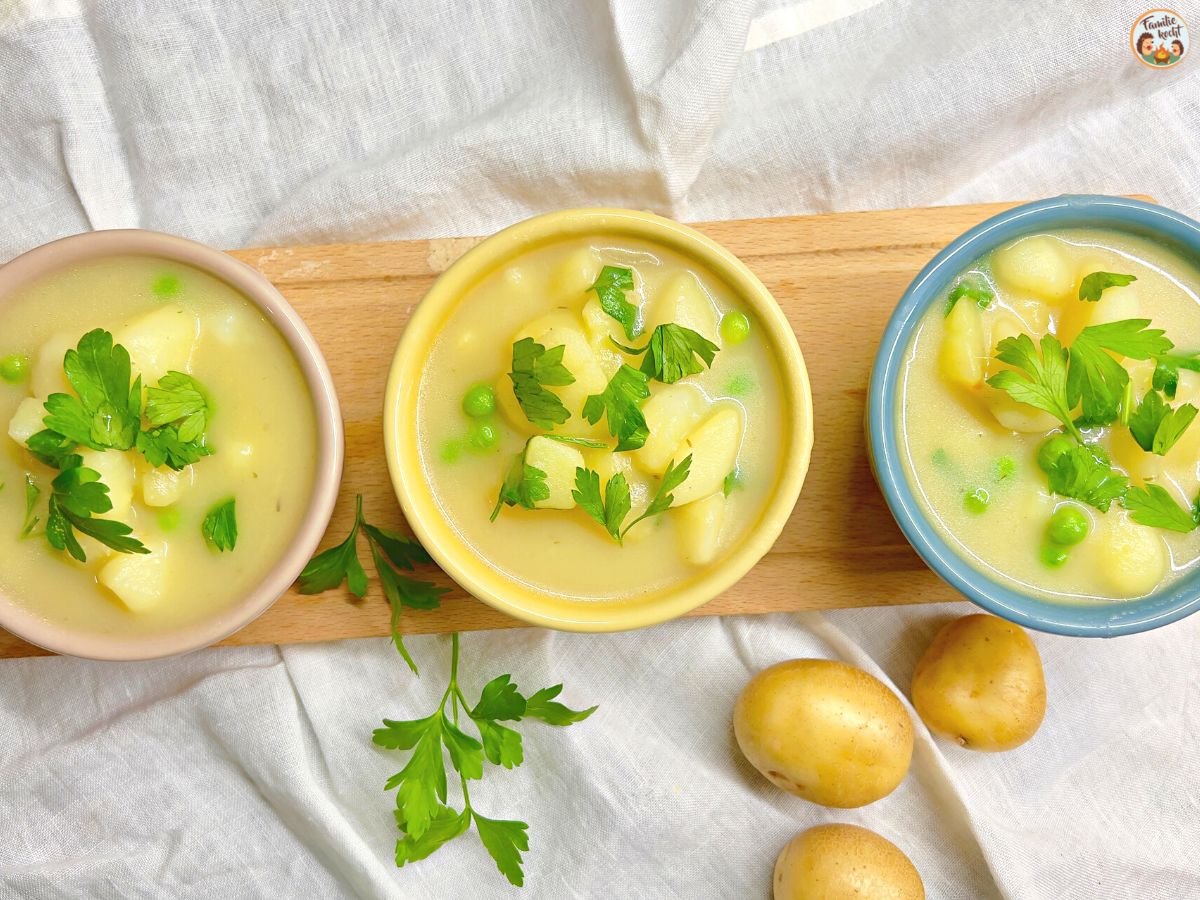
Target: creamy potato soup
[
  {"x": 160, "y": 446},
  {"x": 1047, "y": 415},
  {"x": 601, "y": 420}
]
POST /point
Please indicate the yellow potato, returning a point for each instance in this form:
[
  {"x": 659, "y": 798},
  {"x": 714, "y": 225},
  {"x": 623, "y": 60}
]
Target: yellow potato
[
  {"x": 825, "y": 731},
  {"x": 698, "y": 526},
  {"x": 980, "y": 683},
  {"x": 713, "y": 446},
  {"x": 558, "y": 461},
  {"x": 1035, "y": 265},
  {"x": 845, "y": 862},
  {"x": 963, "y": 352},
  {"x": 1134, "y": 559}
]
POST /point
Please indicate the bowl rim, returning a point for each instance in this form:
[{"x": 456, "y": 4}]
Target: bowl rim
[
  {"x": 1104, "y": 619},
  {"x": 507, "y": 593},
  {"x": 259, "y": 291}
]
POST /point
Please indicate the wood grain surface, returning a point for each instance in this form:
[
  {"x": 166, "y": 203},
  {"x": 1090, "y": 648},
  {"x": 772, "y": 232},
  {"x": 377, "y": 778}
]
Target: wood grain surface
[{"x": 836, "y": 276}]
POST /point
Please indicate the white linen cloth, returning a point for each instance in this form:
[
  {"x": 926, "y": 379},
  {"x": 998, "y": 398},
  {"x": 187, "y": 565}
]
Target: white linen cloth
[{"x": 249, "y": 772}]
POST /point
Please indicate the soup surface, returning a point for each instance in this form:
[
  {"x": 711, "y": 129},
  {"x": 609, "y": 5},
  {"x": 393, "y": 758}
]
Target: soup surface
[
  {"x": 1068, "y": 468},
  {"x": 693, "y": 420},
  {"x": 253, "y": 442}
]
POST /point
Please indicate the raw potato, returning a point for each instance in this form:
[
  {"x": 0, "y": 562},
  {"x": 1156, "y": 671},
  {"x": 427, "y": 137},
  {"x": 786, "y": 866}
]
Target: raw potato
[
  {"x": 138, "y": 580},
  {"x": 1135, "y": 557},
  {"x": 671, "y": 412},
  {"x": 713, "y": 446},
  {"x": 48, "y": 376},
  {"x": 160, "y": 341},
  {"x": 27, "y": 420},
  {"x": 980, "y": 683},
  {"x": 117, "y": 473},
  {"x": 684, "y": 301},
  {"x": 559, "y": 461},
  {"x": 845, "y": 862},
  {"x": 699, "y": 528},
  {"x": 1035, "y": 265},
  {"x": 963, "y": 353},
  {"x": 825, "y": 731}
]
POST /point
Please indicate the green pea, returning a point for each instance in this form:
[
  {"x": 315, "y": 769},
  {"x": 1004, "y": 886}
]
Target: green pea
[
  {"x": 1052, "y": 449},
  {"x": 740, "y": 385},
  {"x": 1053, "y": 555},
  {"x": 941, "y": 459},
  {"x": 735, "y": 328},
  {"x": 14, "y": 368},
  {"x": 479, "y": 401},
  {"x": 168, "y": 518},
  {"x": 483, "y": 436},
  {"x": 166, "y": 285},
  {"x": 1005, "y": 468},
  {"x": 451, "y": 451},
  {"x": 1068, "y": 526},
  {"x": 976, "y": 501}
]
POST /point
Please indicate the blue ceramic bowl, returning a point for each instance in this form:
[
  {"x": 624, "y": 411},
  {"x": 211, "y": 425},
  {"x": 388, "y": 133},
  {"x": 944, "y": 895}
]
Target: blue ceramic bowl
[{"x": 1107, "y": 619}]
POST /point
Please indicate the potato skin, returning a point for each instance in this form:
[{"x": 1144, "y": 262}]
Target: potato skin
[
  {"x": 981, "y": 684},
  {"x": 825, "y": 731},
  {"x": 845, "y": 862}
]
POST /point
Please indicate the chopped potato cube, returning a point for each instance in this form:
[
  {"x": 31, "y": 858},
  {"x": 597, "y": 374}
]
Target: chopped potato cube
[
  {"x": 563, "y": 328},
  {"x": 27, "y": 420},
  {"x": 575, "y": 274},
  {"x": 601, "y": 326},
  {"x": 1134, "y": 559},
  {"x": 671, "y": 412},
  {"x": 963, "y": 354},
  {"x": 559, "y": 461},
  {"x": 713, "y": 446},
  {"x": 160, "y": 341},
  {"x": 684, "y": 301},
  {"x": 1115, "y": 303},
  {"x": 163, "y": 486},
  {"x": 138, "y": 580},
  {"x": 48, "y": 376},
  {"x": 1035, "y": 265},
  {"x": 699, "y": 528},
  {"x": 117, "y": 474}
]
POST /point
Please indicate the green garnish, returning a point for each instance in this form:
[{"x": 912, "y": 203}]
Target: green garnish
[
  {"x": 77, "y": 494},
  {"x": 1152, "y": 505},
  {"x": 1068, "y": 525},
  {"x": 165, "y": 285},
  {"x": 220, "y": 526},
  {"x": 973, "y": 286},
  {"x": 425, "y": 820},
  {"x": 390, "y": 551},
  {"x": 735, "y": 328},
  {"x": 1156, "y": 426},
  {"x": 168, "y": 518},
  {"x": 14, "y": 368},
  {"x": 1004, "y": 468},
  {"x": 483, "y": 436},
  {"x": 163, "y": 446},
  {"x": 672, "y": 353},
  {"x": 32, "y": 492},
  {"x": 1166, "y": 370},
  {"x": 1084, "y": 472},
  {"x": 533, "y": 367},
  {"x": 51, "y": 448},
  {"x": 479, "y": 401},
  {"x": 451, "y": 451},
  {"x": 181, "y": 400},
  {"x": 976, "y": 500},
  {"x": 523, "y": 485},
  {"x": 1095, "y": 284},
  {"x": 1044, "y": 382},
  {"x": 1052, "y": 448},
  {"x": 107, "y": 411},
  {"x": 1096, "y": 378},
  {"x": 732, "y": 482},
  {"x": 740, "y": 384},
  {"x": 610, "y": 509},
  {"x": 1052, "y": 555},
  {"x": 578, "y": 441},
  {"x": 673, "y": 477},
  {"x": 621, "y": 401},
  {"x": 610, "y": 288}
]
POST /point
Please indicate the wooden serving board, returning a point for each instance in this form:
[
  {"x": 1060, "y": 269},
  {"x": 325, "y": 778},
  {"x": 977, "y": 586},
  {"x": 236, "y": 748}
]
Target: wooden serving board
[{"x": 837, "y": 277}]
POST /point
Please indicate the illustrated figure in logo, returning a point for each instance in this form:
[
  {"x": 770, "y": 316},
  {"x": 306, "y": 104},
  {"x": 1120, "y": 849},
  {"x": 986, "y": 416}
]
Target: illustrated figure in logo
[
  {"x": 1145, "y": 47},
  {"x": 1176, "y": 51}
]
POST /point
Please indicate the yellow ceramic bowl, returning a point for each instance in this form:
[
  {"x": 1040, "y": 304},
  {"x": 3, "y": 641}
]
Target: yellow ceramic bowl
[{"x": 427, "y": 518}]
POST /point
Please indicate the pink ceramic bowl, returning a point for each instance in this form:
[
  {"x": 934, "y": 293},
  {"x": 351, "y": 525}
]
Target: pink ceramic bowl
[{"x": 330, "y": 446}]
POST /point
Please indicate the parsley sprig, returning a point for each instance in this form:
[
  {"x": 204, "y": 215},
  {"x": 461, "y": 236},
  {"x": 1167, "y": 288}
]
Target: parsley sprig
[
  {"x": 534, "y": 367},
  {"x": 1157, "y": 426},
  {"x": 1166, "y": 370},
  {"x": 672, "y": 351},
  {"x": 423, "y": 814},
  {"x": 974, "y": 287},
  {"x": 77, "y": 496},
  {"x": 612, "y": 507},
  {"x": 107, "y": 411},
  {"x": 179, "y": 409},
  {"x": 393, "y": 554},
  {"x": 220, "y": 526},
  {"x": 1092, "y": 286},
  {"x": 1152, "y": 505},
  {"x": 610, "y": 288},
  {"x": 621, "y": 402}
]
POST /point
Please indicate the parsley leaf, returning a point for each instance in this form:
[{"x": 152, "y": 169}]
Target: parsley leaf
[
  {"x": 500, "y": 700},
  {"x": 672, "y": 353},
  {"x": 1166, "y": 370},
  {"x": 533, "y": 366},
  {"x": 331, "y": 567},
  {"x": 1096, "y": 378},
  {"x": 609, "y": 510},
  {"x": 1085, "y": 473},
  {"x": 220, "y": 526},
  {"x": 422, "y": 782},
  {"x": 1156, "y": 426},
  {"x": 578, "y": 441},
  {"x": 973, "y": 286},
  {"x": 32, "y": 492},
  {"x": 610, "y": 288},
  {"x": 673, "y": 477},
  {"x": 164, "y": 446},
  {"x": 1152, "y": 505},
  {"x": 505, "y": 841},
  {"x": 51, "y": 448},
  {"x": 77, "y": 494},
  {"x": 542, "y": 705},
  {"x": 444, "y": 825},
  {"x": 107, "y": 411},
  {"x": 179, "y": 398},
  {"x": 523, "y": 486},
  {"x": 621, "y": 401},
  {"x": 1095, "y": 284},
  {"x": 1043, "y": 383}
]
